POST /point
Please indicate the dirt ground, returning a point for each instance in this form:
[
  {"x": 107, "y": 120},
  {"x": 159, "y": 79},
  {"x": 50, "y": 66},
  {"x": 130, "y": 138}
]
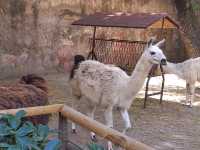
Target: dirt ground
[{"x": 170, "y": 126}]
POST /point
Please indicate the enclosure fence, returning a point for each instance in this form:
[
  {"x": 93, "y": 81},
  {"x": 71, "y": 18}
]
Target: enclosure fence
[
  {"x": 122, "y": 53},
  {"x": 66, "y": 113}
]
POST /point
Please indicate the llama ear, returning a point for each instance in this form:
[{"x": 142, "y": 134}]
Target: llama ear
[
  {"x": 151, "y": 41},
  {"x": 161, "y": 43}
]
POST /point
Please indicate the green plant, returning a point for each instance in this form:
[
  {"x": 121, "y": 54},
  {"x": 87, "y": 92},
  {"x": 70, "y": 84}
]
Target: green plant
[
  {"x": 195, "y": 6},
  {"x": 17, "y": 134},
  {"x": 94, "y": 146}
]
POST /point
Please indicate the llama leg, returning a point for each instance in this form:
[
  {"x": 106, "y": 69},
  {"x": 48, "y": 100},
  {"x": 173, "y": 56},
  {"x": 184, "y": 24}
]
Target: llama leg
[
  {"x": 109, "y": 122},
  {"x": 192, "y": 91},
  {"x": 73, "y": 124},
  {"x": 90, "y": 114},
  {"x": 188, "y": 93},
  {"x": 125, "y": 116},
  {"x": 74, "y": 128}
]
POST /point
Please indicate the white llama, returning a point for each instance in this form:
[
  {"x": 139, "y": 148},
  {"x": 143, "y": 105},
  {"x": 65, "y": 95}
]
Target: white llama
[
  {"x": 188, "y": 70},
  {"x": 108, "y": 86}
]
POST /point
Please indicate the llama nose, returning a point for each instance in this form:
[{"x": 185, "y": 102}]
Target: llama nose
[{"x": 163, "y": 62}]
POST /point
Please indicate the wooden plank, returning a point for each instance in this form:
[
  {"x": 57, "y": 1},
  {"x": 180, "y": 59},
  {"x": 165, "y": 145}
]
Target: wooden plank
[
  {"x": 102, "y": 130},
  {"x": 34, "y": 111}
]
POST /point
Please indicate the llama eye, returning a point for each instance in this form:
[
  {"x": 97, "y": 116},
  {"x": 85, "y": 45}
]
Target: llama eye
[{"x": 152, "y": 53}]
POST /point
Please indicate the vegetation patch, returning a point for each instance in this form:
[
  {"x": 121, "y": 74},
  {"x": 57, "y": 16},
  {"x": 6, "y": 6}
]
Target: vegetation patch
[{"x": 17, "y": 134}]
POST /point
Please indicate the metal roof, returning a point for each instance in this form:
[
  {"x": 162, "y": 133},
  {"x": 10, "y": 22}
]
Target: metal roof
[{"x": 125, "y": 20}]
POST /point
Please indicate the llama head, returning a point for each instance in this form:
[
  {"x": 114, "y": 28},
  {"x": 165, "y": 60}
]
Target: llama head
[{"x": 153, "y": 52}]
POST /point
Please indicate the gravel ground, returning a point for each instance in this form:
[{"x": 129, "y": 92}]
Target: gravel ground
[{"x": 168, "y": 126}]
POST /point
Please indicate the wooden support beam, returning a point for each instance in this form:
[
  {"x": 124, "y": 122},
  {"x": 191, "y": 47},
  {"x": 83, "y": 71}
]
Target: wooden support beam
[
  {"x": 102, "y": 130},
  {"x": 34, "y": 111},
  {"x": 63, "y": 135}
]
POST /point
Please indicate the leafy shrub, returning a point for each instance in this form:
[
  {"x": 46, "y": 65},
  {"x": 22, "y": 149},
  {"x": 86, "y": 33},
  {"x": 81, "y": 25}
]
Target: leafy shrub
[
  {"x": 94, "y": 146},
  {"x": 195, "y": 6},
  {"x": 16, "y": 134}
]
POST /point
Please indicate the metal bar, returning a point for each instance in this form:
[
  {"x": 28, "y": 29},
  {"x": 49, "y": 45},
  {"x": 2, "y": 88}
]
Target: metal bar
[
  {"x": 104, "y": 26},
  {"x": 146, "y": 89},
  {"x": 152, "y": 94},
  {"x": 163, "y": 77},
  {"x": 117, "y": 40},
  {"x": 63, "y": 135},
  {"x": 162, "y": 27},
  {"x": 92, "y": 53},
  {"x": 163, "y": 84}
]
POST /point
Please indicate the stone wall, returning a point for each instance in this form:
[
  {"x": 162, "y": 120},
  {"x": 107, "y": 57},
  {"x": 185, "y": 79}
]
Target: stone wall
[
  {"x": 188, "y": 12},
  {"x": 36, "y": 35}
]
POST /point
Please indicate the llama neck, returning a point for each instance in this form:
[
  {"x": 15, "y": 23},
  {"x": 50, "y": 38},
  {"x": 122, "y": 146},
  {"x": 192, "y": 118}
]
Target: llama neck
[
  {"x": 138, "y": 77},
  {"x": 172, "y": 68}
]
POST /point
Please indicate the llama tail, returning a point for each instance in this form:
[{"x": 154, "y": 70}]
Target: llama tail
[{"x": 77, "y": 60}]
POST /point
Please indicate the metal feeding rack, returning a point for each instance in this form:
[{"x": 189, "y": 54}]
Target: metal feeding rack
[
  {"x": 122, "y": 53},
  {"x": 125, "y": 53}
]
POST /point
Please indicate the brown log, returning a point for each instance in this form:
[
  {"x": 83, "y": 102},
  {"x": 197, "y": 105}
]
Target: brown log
[
  {"x": 34, "y": 111},
  {"x": 102, "y": 130}
]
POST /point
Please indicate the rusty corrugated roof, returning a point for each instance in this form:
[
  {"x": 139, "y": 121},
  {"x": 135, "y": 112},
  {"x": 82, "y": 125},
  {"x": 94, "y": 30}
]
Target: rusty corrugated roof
[{"x": 126, "y": 20}]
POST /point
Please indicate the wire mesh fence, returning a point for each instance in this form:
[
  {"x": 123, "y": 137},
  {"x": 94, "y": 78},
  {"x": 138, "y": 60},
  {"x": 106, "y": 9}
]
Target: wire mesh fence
[{"x": 121, "y": 53}]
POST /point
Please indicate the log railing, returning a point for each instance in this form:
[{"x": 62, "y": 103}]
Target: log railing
[{"x": 66, "y": 113}]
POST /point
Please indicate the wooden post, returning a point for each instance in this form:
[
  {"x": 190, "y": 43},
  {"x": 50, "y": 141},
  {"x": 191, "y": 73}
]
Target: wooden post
[
  {"x": 103, "y": 131},
  {"x": 63, "y": 135}
]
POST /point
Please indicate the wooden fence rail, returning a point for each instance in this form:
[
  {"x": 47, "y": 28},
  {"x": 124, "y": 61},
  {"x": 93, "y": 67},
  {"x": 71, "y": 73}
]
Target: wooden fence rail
[{"x": 66, "y": 112}]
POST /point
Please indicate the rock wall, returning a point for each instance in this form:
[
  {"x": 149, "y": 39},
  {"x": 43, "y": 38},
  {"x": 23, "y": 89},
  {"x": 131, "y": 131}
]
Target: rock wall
[
  {"x": 36, "y": 35},
  {"x": 188, "y": 12}
]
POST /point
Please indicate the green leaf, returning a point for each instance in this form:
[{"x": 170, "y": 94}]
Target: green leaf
[
  {"x": 94, "y": 146},
  {"x": 25, "y": 130},
  {"x": 5, "y": 130},
  {"x": 14, "y": 122},
  {"x": 27, "y": 142},
  {"x": 14, "y": 147},
  {"x": 17, "y": 135},
  {"x": 43, "y": 131},
  {"x": 6, "y": 117},
  {"x": 53, "y": 145},
  {"x": 20, "y": 114},
  {"x": 4, "y": 145}
]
